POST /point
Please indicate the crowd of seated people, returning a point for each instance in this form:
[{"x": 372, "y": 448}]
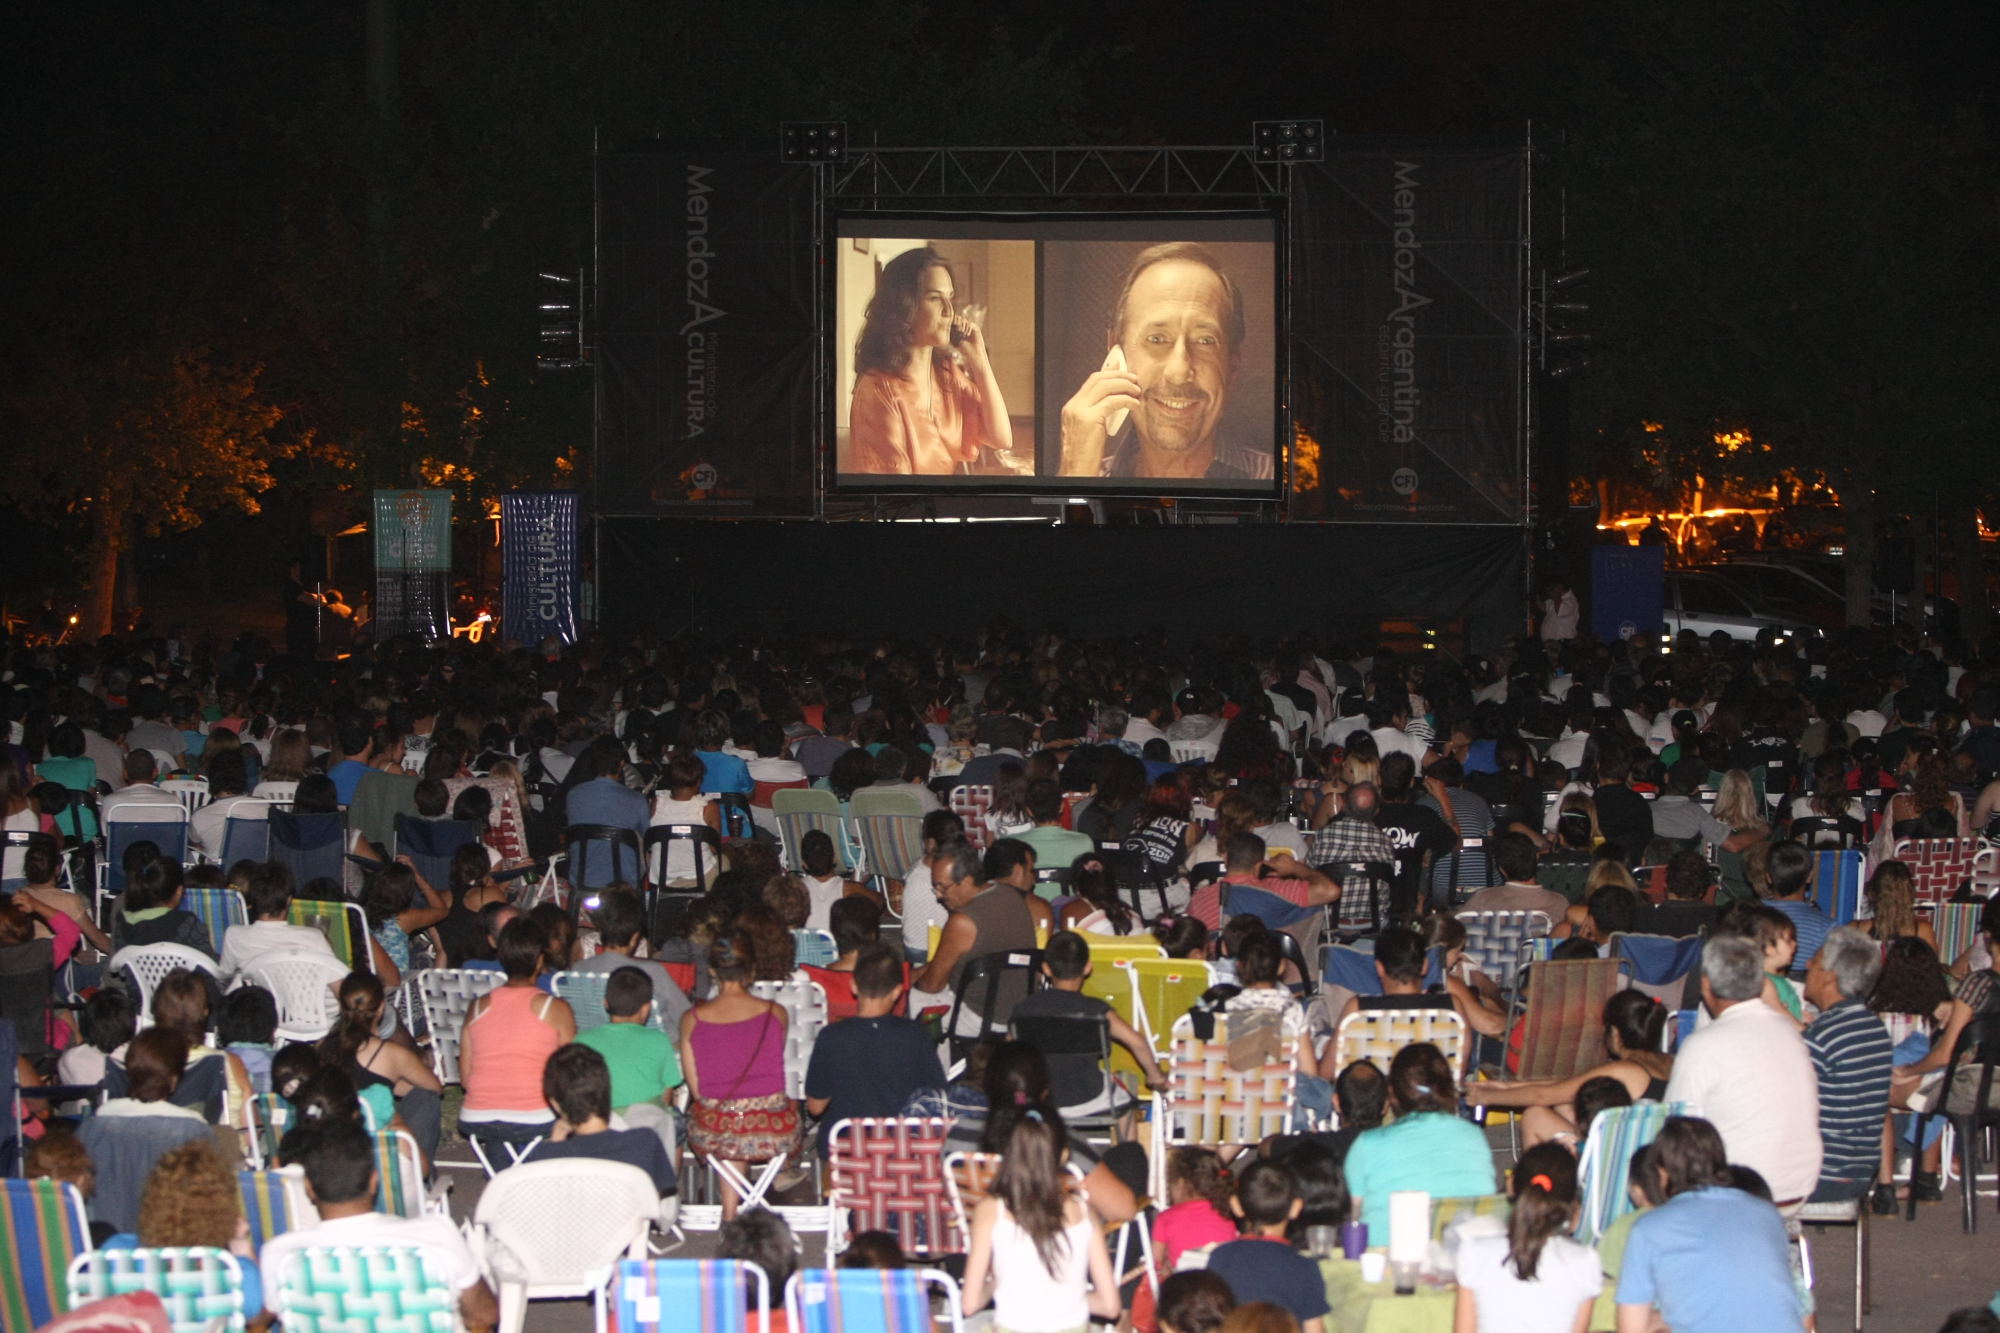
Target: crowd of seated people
[{"x": 1219, "y": 798}]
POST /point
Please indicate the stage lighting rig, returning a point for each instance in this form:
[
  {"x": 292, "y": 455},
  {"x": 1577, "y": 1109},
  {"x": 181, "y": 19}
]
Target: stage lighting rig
[
  {"x": 1567, "y": 343},
  {"x": 559, "y": 301},
  {"x": 1288, "y": 141},
  {"x": 813, "y": 141}
]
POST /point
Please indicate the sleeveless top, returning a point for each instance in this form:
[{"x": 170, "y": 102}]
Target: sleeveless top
[
  {"x": 1004, "y": 923},
  {"x": 1026, "y": 1297},
  {"x": 739, "y": 1060},
  {"x": 505, "y": 1047},
  {"x": 680, "y": 855}
]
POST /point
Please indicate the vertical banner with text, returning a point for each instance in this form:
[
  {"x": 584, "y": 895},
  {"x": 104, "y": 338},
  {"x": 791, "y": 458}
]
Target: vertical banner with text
[
  {"x": 1408, "y": 330},
  {"x": 538, "y": 561},
  {"x": 705, "y": 334},
  {"x": 412, "y": 563}
]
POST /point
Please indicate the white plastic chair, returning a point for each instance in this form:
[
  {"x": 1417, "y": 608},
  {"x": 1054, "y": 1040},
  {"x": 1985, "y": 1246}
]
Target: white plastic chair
[
  {"x": 149, "y": 965},
  {"x": 192, "y": 793},
  {"x": 304, "y": 986},
  {"x": 549, "y": 1227},
  {"x": 804, "y": 1001}
]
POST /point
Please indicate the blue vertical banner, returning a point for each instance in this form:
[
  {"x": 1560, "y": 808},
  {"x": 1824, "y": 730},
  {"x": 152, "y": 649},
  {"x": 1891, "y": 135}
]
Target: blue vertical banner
[
  {"x": 539, "y": 565},
  {"x": 1628, "y": 591}
]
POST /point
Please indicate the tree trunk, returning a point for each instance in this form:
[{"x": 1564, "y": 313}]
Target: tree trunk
[
  {"x": 107, "y": 546},
  {"x": 1975, "y": 611}
]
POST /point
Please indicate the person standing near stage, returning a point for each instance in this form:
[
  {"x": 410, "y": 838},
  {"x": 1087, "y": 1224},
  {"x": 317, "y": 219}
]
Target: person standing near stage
[{"x": 925, "y": 398}]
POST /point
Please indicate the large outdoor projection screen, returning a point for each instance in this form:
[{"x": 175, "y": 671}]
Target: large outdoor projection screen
[{"x": 1133, "y": 354}]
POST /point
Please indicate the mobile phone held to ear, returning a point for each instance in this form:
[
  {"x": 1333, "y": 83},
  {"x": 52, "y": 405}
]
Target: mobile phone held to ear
[{"x": 1115, "y": 360}]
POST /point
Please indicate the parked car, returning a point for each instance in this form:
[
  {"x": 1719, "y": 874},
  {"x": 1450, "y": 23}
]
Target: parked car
[{"x": 1706, "y": 602}]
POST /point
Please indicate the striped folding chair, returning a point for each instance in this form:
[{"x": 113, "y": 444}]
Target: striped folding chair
[
  {"x": 889, "y": 825},
  {"x": 1956, "y": 926},
  {"x": 343, "y": 924},
  {"x": 888, "y": 1175},
  {"x": 447, "y": 993},
  {"x": 218, "y": 909},
  {"x": 1835, "y": 886},
  {"x": 1938, "y": 866},
  {"x": 585, "y": 993},
  {"x": 798, "y": 812},
  {"x": 1377, "y": 1034},
  {"x": 363, "y": 1289},
  {"x": 201, "y": 1287},
  {"x": 270, "y": 1116},
  {"x": 274, "y": 1202},
  {"x": 1616, "y": 1135},
  {"x": 399, "y": 1177},
  {"x": 870, "y": 1300},
  {"x": 1564, "y": 1015},
  {"x": 1493, "y": 940},
  {"x": 813, "y": 948},
  {"x": 42, "y": 1230},
  {"x": 1208, "y": 1104},
  {"x": 805, "y": 1016},
  {"x": 686, "y": 1296}
]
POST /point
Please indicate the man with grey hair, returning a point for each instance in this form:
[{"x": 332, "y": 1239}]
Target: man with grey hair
[
  {"x": 1112, "y": 720},
  {"x": 987, "y": 916},
  {"x": 1749, "y": 1074},
  {"x": 1851, "y": 1055}
]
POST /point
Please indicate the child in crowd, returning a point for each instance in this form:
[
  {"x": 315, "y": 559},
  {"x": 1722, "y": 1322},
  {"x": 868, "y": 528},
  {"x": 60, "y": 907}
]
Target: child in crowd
[
  {"x": 247, "y": 1027},
  {"x": 1197, "y": 1215},
  {"x": 60, "y": 1155},
  {"x": 1534, "y": 1279},
  {"x": 1261, "y": 1263},
  {"x": 873, "y": 1249},
  {"x": 1196, "y": 1301},
  {"x": 763, "y": 1239},
  {"x": 1778, "y": 937},
  {"x": 1035, "y": 1244},
  {"x": 108, "y": 1023},
  {"x": 645, "y": 1068}
]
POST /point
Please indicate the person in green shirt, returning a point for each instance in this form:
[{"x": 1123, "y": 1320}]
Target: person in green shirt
[{"x": 644, "y": 1065}]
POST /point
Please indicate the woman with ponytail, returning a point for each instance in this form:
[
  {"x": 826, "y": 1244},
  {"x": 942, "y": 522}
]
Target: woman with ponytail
[
  {"x": 1037, "y": 1240},
  {"x": 391, "y": 1077},
  {"x": 1535, "y": 1279}
]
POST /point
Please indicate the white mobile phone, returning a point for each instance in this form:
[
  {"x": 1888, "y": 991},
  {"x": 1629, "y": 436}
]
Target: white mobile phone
[{"x": 1115, "y": 360}]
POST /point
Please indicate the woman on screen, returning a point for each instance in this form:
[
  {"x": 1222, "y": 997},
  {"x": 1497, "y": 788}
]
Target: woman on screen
[{"x": 925, "y": 398}]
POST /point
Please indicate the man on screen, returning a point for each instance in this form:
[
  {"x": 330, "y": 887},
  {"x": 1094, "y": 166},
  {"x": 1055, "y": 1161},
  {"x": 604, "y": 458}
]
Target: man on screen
[{"x": 1173, "y": 340}]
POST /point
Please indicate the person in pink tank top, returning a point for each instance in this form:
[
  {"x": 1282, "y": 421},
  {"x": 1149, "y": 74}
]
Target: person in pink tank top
[
  {"x": 510, "y": 1033},
  {"x": 733, "y": 1053}
]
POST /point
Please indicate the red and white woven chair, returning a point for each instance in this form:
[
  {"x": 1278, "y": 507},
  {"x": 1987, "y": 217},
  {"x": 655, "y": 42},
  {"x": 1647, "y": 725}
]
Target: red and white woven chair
[{"x": 888, "y": 1175}]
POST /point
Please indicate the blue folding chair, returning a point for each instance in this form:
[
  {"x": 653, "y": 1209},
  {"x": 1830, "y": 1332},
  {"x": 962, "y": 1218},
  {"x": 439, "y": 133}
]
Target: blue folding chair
[
  {"x": 313, "y": 846},
  {"x": 868, "y": 1300},
  {"x": 684, "y": 1295},
  {"x": 1835, "y": 887}
]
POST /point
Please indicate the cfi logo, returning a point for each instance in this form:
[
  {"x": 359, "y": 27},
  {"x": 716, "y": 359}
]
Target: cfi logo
[
  {"x": 1404, "y": 482},
  {"x": 704, "y": 476}
]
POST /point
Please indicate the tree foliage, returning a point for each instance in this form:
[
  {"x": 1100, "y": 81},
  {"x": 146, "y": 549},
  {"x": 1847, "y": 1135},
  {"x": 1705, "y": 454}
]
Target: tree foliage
[{"x": 1787, "y": 245}]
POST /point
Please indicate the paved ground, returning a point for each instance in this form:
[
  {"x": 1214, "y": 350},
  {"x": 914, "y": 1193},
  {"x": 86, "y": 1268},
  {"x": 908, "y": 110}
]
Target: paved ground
[{"x": 1921, "y": 1270}]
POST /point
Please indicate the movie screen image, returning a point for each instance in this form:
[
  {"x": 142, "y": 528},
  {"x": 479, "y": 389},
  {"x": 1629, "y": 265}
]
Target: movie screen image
[{"x": 1131, "y": 354}]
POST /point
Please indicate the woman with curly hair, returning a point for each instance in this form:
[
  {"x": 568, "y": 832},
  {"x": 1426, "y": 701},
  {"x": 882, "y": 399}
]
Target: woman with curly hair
[{"x": 191, "y": 1198}]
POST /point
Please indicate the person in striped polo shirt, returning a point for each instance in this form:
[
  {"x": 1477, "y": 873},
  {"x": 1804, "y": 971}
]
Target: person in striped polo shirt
[{"x": 1852, "y": 1055}]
